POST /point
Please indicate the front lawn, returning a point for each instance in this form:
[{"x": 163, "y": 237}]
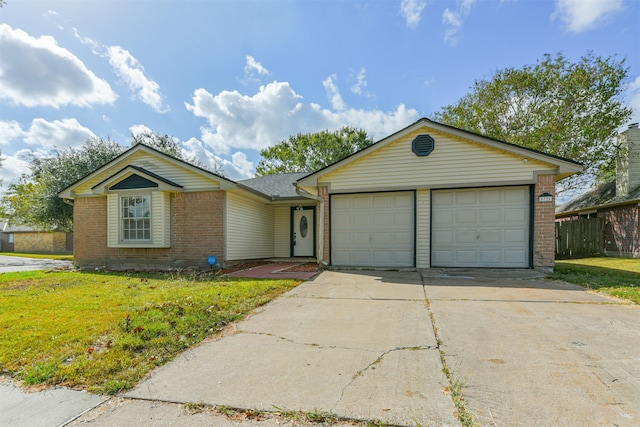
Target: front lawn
[
  {"x": 619, "y": 277},
  {"x": 106, "y": 331}
]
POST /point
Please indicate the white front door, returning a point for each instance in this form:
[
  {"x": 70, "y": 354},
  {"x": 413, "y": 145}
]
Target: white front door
[{"x": 303, "y": 232}]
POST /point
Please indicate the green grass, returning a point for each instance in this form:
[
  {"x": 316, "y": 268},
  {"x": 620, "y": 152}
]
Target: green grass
[
  {"x": 106, "y": 331},
  {"x": 618, "y": 277},
  {"x": 61, "y": 257}
]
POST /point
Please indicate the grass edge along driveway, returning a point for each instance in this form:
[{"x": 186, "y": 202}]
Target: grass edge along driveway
[
  {"x": 104, "y": 332},
  {"x": 618, "y": 277}
]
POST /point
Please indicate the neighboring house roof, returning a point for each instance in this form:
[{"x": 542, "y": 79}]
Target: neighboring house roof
[
  {"x": 565, "y": 167},
  {"x": 603, "y": 195},
  {"x": 7, "y": 227},
  {"x": 277, "y": 186}
]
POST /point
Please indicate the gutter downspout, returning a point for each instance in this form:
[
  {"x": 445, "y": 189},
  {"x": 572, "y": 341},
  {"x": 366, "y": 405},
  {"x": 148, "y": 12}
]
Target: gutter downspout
[{"x": 319, "y": 199}]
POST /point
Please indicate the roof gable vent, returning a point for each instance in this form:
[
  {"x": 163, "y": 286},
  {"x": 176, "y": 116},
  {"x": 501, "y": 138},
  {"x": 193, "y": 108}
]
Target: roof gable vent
[
  {"x": 132, "y": 182},
  {"x": 422, "y": 145}
]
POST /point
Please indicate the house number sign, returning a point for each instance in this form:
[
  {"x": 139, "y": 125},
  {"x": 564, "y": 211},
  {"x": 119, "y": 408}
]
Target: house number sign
[{"x": 545, "y": 197}]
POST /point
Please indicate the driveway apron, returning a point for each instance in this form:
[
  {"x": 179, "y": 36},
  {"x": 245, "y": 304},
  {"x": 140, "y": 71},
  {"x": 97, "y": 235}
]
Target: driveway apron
[
  {"x": 536, "y": 352},
  {"x": 358, "y": 344}
]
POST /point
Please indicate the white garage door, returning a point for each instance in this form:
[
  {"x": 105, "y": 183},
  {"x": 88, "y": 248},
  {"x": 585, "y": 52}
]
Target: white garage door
[
  {"x": 486, "y": 227},
  {"x": 373, "y": 230}
]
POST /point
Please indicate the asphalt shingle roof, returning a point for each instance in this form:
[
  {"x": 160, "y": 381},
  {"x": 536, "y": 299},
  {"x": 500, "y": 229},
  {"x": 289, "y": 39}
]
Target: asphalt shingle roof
[
  {"x": 277, "y": 186},
  {"x": 603, "y": 195}
]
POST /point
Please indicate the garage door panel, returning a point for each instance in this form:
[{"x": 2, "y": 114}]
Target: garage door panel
[
  {"x": 465, "y": 237},
  {"x": 443, "y": 218},
  {"x": 490, "y": 197},
  {"x": 380, "y": 229},
  {"x": 442, "y": 236},
  {"x": 491, "y": 257},
  {"x": 491, "y": 236},
  {"x": 465, "y": 217},
  {"x": 490, "y": 216},
  {"x": 516, "y": 236},
  {"x": 481, "y": 227},
  {"x": 466, "y": 198}
]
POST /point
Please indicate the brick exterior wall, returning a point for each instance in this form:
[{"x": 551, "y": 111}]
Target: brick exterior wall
[
  {"x": 544, "y": 239},
  {"x": 326, "y": 255},
  {"x": 197, "y": 231},
  {"x": 621, "y": 231},
  {"x": 40, "y": 242}
]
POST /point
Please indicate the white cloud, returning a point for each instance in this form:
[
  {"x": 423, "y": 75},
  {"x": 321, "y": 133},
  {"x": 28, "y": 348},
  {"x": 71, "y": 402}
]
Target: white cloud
[
  {"x": 583, "y": 15},
  {"x": 140, "y": 129},
  {"x": 411, "y": 11},
  {"x": 455, "y": 19},
  {"x": 59, "y": 133},
  {"x": 10, "y": 131},
  {"x": 253, "y": 65},
  {"x": 13, "y": 167},
  {"x": 239, "y": 167},
  {"x": 633, "y": 94},
  {"x": 361, "y": 82},
  {"x": 334, "y": 93},
  {"x": 131, "y": 71},
  {"x": 37, "y": 72},
  {"x": 237, "y": 122}
]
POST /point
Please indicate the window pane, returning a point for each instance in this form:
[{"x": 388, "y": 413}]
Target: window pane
[{"x": 136, "y": 218}]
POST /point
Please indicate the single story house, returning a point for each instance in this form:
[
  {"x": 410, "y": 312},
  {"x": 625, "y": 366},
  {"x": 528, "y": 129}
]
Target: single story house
[
  {"x": 429, "y": 195},
  {"x": 22, "y": 238},
  {"x": 617, "y": 202}
]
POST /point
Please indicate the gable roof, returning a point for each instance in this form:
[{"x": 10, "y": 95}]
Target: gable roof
[
  {"x": 603, "y": 195},
  {"x": 278, "y": 186},
  {"x": 565, "y": 167},
  {"x": 67, "y": 192}
]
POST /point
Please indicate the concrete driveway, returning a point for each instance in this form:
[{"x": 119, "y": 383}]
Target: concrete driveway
[
  {"x": 362, "y": 346},
  {"x": 357, "y": 344},
  {"x": 538, "y": 353},
  {"x": 9, "y": 264}
]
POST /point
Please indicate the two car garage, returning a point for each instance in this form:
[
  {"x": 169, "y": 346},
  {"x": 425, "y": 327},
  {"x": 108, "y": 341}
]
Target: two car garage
[{"x": 477, "y": 227}]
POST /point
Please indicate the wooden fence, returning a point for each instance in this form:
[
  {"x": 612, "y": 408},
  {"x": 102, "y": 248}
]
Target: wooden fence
[{"x": 580, "y": 238}]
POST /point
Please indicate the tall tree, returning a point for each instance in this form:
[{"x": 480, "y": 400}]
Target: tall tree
[
  {"x": 312, "y": 151},
  {"x": 569, "y": 109},
  {"x": 34, "y": 201}
]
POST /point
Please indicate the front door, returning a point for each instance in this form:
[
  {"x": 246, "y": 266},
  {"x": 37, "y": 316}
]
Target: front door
[{"x": 303, "y": 232}]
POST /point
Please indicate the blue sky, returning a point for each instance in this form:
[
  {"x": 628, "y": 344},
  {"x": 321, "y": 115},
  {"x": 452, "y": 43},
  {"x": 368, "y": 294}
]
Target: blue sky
[{"x": 228, "y": 78}]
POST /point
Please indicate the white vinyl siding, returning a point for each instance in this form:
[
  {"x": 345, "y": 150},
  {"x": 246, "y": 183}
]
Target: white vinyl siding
[
  {"x": 423, "y": 241},
  {"x": 373, "y": 229},
  {"x": 249, "y": 232},
  {"x": 282, "y": 231},
  {"x": 487, "y": 227},
  {"x": 453, "y": 163},
  {"x": 160, "y": 220},
  {"x": 190, "y": 180}
]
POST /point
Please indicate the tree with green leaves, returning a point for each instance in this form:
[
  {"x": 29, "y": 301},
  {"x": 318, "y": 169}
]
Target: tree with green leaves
[
  {"x": 312, "y": 151},
  {"x": 569, "y": 109},
  {"x": 34, "y": 201}
]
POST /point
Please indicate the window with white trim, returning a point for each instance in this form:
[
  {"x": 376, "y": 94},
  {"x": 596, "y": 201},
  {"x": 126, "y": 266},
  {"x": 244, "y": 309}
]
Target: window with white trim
[{"x": 135, "y": 217}]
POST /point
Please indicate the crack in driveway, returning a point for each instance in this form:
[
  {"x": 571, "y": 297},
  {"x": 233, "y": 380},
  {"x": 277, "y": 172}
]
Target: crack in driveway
[{"x": 371, "y": 365}]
